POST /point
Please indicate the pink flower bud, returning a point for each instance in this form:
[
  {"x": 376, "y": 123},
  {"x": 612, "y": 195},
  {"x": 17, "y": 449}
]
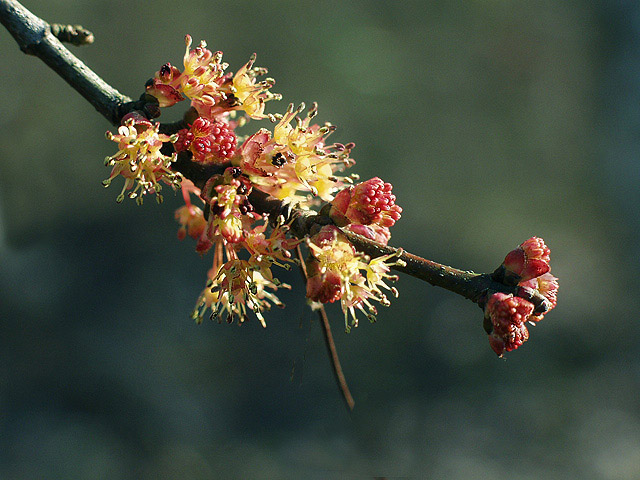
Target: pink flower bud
[
  {"x": 529, "y": 260},
  {"x": 322, "y": 287},
  {"x": 506, "y": 316},
  {"x": 366, "y": 203}
]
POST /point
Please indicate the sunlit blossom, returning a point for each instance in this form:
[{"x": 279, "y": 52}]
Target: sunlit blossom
[
  {"x": 349, "y": 276},
  {"x": 295, "y": 159},
  {"x": 237, "y": 286},
  {"x": 139, "y": 159}
]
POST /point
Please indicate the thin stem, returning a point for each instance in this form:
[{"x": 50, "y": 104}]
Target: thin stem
[{"x": 330, "y": 344}]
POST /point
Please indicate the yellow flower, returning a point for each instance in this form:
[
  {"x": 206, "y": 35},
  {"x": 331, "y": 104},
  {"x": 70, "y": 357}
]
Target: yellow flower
[
  {"x": 236, "y": 286},
  {"x": 251, "y": 94},
  {"x": 295, "y": 159},
  {"x": 360, "y": 278},
  {"x": 139, "y": 159},
  {"x": 203, "y": 70}
]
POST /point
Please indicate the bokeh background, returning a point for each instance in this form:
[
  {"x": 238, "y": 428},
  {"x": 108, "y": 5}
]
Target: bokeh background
[{"x": 494, "y": 120}]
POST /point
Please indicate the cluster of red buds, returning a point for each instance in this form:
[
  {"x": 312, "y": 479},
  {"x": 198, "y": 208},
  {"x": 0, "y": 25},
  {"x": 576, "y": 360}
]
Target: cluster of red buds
[
  {"x": 526, "y": 268},
  {"x": 209, "y": 142}
]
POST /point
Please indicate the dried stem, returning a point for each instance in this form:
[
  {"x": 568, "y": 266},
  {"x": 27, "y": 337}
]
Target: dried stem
[{"x": 329, "y": 343}]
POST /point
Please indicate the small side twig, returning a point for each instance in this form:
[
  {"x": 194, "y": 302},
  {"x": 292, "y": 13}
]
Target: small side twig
[
  {"x": 74, "y": 34},
  {"x": 33, "y": 36}
]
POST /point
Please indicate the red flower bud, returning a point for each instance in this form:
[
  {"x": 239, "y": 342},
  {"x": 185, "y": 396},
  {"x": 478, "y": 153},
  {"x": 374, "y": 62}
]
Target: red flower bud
[
  {"x": 209, "y": 142},
  {"x": 529, "y": 260},
  {"x": 506, "y": 316},
  {"x": 366, "y": 203}
]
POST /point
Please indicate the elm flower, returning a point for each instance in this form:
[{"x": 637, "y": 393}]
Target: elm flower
[
  {"x": 547, "y": 286},
  {"x": 139, "y": 159},
  {"x": 366, "y": 203},
  {"x": 527, "y": 269},
  {"x": 342, "y": 273},
  {"x": 275, "y": 247},
  {"x": 212, "y": 91},
  {"x": 323, "y": 287},
  {"x": 250, "y": 95},
  {"x": 191, "y": 220},
  {"x": 236, "y": 286},
  {"x": 529, "y": 260},
  {"x": 230, "y": 213},
  {"x": 164, "y": 86},
  {"x": 295, "y": 158},
  {"x": 209, "y": 142},
  {"x": 203, "y": 72},
  {"x": 200, "y": 80}
]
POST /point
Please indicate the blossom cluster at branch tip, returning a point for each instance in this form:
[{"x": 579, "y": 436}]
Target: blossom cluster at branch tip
[
  {"x": 527, "y": 268},
  {"x": 140, "y": 160}
]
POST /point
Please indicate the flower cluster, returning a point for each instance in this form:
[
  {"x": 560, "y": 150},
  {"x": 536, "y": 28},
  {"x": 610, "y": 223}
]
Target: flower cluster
[
  {"x": 295, "y": 160},
  {"x": 292, "y": 162},
  {"x": 337, "y": 272},
  {"x": 367, "y": 208},
  {"x": 234, "y": 286},
  {"x": 527, "y": 268},
  {"x": 212, "y": 91},
  {"x": 140, "y": 159}
]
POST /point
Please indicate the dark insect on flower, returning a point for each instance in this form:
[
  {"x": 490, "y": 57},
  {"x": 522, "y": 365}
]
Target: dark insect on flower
[{"x": 278, "y": 160}]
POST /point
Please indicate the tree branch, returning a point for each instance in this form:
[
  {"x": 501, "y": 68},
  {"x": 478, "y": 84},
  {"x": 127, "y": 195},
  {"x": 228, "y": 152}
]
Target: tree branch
[
  {"x": 470, "y": 285},
  {"x": 34, "y": 37}
]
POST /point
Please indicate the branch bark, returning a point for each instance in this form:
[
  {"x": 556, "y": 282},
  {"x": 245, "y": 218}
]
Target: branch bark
[{"x": 34, "y": 37}]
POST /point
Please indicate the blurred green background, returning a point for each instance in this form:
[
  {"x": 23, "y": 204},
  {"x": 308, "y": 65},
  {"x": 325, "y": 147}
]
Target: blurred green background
[{"x": 494, "y": 120}]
